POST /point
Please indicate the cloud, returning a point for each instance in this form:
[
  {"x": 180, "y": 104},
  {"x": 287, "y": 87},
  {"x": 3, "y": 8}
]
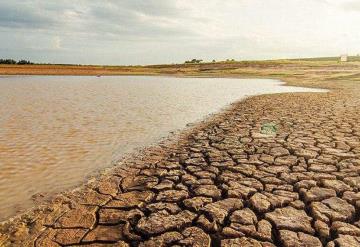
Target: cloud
[
  {"x": 160, "y": 31},
  {"x": 57, "y": 43},
  {"x": 351, "y": 6},
  {"x": 123, "y": 19},
  {"x": 18, "y": 15}
]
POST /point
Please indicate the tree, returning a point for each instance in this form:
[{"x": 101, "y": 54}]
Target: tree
[
  {"x": 21, "y": 62},
  {"x": 7, "y": 61},
  {"x": 194, "y": 60},
  {"x": 12, "y": 61}
]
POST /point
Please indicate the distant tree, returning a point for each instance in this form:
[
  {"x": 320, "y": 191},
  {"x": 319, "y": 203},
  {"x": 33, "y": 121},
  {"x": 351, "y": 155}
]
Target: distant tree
[
  {"x": 12, "y": 61},
  {"x": 21, "y": 62},
  {"x": 7, "y": 61},
  {"x": 214, "y": 61},
  {"x": 194, "y": 60}
]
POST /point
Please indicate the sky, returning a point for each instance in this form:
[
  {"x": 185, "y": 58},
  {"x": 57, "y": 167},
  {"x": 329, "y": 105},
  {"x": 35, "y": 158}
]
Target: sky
[{"x": 132, "y": 32}]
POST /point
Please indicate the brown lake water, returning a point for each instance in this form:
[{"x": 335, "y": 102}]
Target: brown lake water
[{"x": 57, "y": 130}]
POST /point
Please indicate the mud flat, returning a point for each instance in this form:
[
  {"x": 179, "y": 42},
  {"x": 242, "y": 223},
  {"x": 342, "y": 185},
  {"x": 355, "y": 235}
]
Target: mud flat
[{"x": 226, "y": 182}]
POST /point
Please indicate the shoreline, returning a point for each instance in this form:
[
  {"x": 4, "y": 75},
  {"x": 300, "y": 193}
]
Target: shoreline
[{"x": 20, "y": 228}]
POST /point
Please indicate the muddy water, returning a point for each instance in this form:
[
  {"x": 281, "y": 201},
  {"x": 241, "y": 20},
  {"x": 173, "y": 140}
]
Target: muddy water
[{"x": 55, "y": 131}]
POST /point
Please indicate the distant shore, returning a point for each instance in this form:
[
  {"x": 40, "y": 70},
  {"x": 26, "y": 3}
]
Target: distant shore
[
  {"x": 69, "y": 70},
  {"x": 271, "y": 68}
]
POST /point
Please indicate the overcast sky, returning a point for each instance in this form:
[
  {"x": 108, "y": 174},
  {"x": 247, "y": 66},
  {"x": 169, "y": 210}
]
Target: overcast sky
[{"x": 170, "y": 31}]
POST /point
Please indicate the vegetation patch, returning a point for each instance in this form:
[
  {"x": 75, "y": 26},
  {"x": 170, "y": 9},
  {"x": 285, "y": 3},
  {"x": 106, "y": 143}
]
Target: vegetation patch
[{"x": 269, "y": 128}]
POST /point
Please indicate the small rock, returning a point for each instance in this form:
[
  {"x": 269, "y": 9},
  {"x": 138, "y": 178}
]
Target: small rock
[
  {"x": 138, "y": 183},
  {"x": 260, "y": 203},
  {"x": 353, "y": 182},
  {"x": 116, "y": 216},
  {"x": 288, "y": 160},
  {"x": 160, "y": 222},
  {"x": 79, "y": 217},
  {"x": 345, "y": 229},
  {"x": 279, "y": 151},
  {"x": 206, "y": 224},
  {"x": 322, "y": 229},
  {"x": 297, "y": 204},
  {"x": 172, "y": 195},
  {"x": 292, "y": 239},
  {"x": 165, "y": 239},
  {"x": 110, "y": 186},
  {"x": 306, "y": 184},
  {"x": 89, "y": 197},
  {"x": 333, "y": 209},
  {"x": 351, "y": 197},
  {"x": 165, "y": 185},
  {"x": 105, "y": 233},
  {"x": 290, "y": 219},
  {"x": 317, "y": 194},
  {"x": 194, "y": 236},
  {"x": 220, "y": 209},
  {"x": 244, "y": 216},
  {"x": 69, "y": 236},
  {"x": 172, "y": 208},
  {"x": 336, "y": 185},
  {"x": 208, "y": 190},
  {"x": 244, "y": 242},
  {"x": 318, "y": 167},
  {"x": 347, "y": 241},
  {"x": 196, "y": 203},
  {"x": 307, "y": 154},
  {"x": 130, "y": 199}
]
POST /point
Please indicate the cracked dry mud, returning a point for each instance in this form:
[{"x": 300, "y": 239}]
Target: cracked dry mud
[{"x": 224, "y": 184}]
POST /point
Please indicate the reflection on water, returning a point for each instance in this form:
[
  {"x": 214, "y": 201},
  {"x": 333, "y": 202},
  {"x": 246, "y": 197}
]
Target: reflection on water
[{"x": 54, "y": 131}]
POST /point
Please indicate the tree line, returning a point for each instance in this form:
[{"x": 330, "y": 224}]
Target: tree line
[
  {"x": 194, "y": 61},
  {"x": 12, "y": 61},
  {"x": 213, "y": 61}
]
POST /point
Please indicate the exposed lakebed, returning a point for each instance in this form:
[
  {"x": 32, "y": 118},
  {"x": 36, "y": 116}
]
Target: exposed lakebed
[{"x": 57, "y": 130}]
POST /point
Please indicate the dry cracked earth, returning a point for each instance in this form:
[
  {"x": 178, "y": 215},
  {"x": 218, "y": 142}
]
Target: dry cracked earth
[{"x": 224, "y": 184}]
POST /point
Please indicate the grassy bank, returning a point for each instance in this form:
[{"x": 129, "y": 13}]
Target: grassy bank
[{"x": 308, "y": 70}]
